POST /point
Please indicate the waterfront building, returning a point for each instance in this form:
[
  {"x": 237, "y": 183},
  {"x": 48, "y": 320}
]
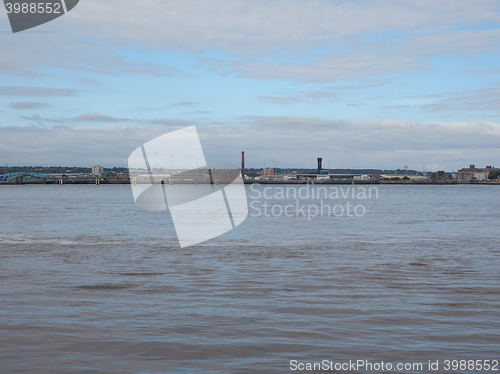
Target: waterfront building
[
  {"x": 97, "y": 169},
  {"x": 472, "y": 173}
]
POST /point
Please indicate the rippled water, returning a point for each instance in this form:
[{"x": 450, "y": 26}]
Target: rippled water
[{"x": 91, "y": 284}]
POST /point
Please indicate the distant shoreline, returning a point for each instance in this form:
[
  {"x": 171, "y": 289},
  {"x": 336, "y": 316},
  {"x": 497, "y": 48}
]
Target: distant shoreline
[
  {"x": 267, "y": 182},
  {"x": 405, "y": 182}
]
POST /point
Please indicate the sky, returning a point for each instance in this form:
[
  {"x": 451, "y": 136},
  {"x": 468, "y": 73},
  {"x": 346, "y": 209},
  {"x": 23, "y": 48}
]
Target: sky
[{"x": 362, "y": 84}]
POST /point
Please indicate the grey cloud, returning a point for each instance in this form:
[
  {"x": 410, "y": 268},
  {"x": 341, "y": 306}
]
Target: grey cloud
[
  {"x": 170, "y": 122},
  {"x": 64, "y": 51},
  {"x": 36, "y": 91},
  {"x": 365, "y": 143},
  {"x": 252, "y": 34},
  {"x": 147, "y": 68},
  {"x": 292, "y": 140},
  {"x": 338, "y": 68},
  {"x": 451, "y": 42},
  {"x": 280, "y": 99},
  {"x": 237, "y": 27},
  {"x": 98, "y": 117},
  {"x": 72, "y": 145},
  {"x": 27, "y": 105},
  {"x": 484, "y": 100},
  {"x": 320, "y": 95},
  {"x": 185, "y": 103},
  {"x": 87, "y": 117},
  {"x": 314, "y": 96},
  {"x": 36, "y": 117}
]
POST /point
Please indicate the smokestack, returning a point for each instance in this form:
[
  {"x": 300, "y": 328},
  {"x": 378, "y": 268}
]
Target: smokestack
[
  {"x": 320, "y": 162},
  {"x": 243, "y": 164}
]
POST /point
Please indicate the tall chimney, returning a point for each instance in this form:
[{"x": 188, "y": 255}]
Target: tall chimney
[
  {"x": 320, "y": 162},
  {"x": 243, "y": 165}
]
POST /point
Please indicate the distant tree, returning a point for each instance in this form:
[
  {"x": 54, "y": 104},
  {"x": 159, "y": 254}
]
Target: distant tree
[
  {"x": 494, "y": 174},
  {"x": 406, "y": 178},
  {"x": 434, "y": 176}
]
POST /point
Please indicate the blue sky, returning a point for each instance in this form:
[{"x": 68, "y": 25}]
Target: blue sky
[{"x": 363, "y": 84}]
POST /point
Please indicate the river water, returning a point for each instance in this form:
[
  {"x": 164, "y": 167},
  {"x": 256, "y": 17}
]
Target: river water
[{"x": 89, "y": 283}]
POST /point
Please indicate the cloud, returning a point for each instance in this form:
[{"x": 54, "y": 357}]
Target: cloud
[
  {"x": 349, "y": 66},
  {"x": 139, "y": 67},
  {"x": 71, "y": 145},
  {"x": 169, "y": 122},
  {"x": 320, "y": 95},
  {"x": 483, "y": 100},
  {"x": 313, "y": 96},
  {"x": 324, "y": 41},
  {"x": 292, "y": 141},
  {"x": 185, "y": 103},
  {"x": 359, "y": 143},
  {"x": 241, "y": 28},
  {"x": 313, "y": 41},
  {"x": 98, "y": 117},
  {"x": 464, "y": 42},
  {"x": 81, "y": 51},
  {"x": 27, "y": 105},
  {"x": 280, "y": 99},
  {"x": 36, "y": 118},
  {"x": 36, "y": 91}
]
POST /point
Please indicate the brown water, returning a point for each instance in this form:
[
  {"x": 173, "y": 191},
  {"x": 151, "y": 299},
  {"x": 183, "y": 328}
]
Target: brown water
[{"x": 91, "y": 284}]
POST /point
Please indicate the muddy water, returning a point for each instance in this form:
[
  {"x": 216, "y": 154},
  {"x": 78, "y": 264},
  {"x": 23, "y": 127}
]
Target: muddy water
[{"x": 91, "y": 284}]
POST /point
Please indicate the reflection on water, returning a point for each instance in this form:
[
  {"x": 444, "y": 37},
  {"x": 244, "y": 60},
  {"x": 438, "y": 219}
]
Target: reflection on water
[{"x": 90, "y": 283}]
